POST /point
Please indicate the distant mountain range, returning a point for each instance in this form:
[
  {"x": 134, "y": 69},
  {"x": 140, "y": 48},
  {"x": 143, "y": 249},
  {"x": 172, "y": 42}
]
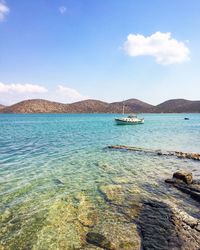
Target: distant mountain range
[{"x": 95, "y": 106}]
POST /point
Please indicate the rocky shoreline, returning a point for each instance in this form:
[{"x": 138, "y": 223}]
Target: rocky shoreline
[
  {"x": 179, "y": 154},
  {"x": 185, "y": 183},
  {"x": 164, "y": 226},
  {"x": 160, "y": 224},
  {"x": 127, "y": 220}
]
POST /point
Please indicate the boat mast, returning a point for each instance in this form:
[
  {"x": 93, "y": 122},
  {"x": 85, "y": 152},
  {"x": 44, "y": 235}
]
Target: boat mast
[{"x": 123, "y": 109}]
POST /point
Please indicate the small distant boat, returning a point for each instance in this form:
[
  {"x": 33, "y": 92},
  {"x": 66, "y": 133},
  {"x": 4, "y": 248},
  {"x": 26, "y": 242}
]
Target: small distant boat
[
  {"x": 186, "y": 118},
  {"x": 130, "y": 120}
]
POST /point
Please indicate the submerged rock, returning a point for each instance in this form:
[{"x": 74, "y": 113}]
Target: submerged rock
[
  {"x": 132, "y": 210},
  {"x": 106, "y": 168},
  {"x": 87, "y": 219},
  {"x": 61, "y": 229},
  {"x": 122, "y": 180},
  {"x": 134, "y": 190},
  {"x": 91, "y": 247},
  {"x": 58, "y": 182},
  {"x": 179, "y": 154},
  {"x": 67, "y": 223},
  {"x": 6, "y": 216},
  {"x": 86, "y": 213},
  {"x": 121, "y": 235},
  {"x": 112, "y": 193},
  {"x": 99, "y": 240},
  {"x": 118, "y": 228}
]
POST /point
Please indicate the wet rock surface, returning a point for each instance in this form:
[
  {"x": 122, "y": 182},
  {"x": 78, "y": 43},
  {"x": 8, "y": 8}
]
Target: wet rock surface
[
  {"x": 99, "y": 240},
  {"x": 193, "y": 156},
  {"x": 184, "y": 176},
  {"x": 179, "y": 154},
  {"x": 185, "y": 183},
  {"x": 163, "y": 226}
]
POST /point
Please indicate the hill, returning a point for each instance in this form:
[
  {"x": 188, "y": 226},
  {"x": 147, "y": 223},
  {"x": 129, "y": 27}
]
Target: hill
[
  {"x": 95, "y": 106},
  {"x": 44, "y": 106},
  {"x": 138, "y": 106},
  {"x": 178, "y": 106},
  {"x": 130, "y": 106},
  {"x": 88, "y": 106},
  {"x": 35, "y": 106},
  {"x": 2, "y": 106}
]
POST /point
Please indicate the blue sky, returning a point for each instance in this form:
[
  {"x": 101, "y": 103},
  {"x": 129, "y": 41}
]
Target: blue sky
[{"x": 68, "y": 50}]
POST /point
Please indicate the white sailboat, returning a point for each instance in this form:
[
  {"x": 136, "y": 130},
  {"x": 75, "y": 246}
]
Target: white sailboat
[{"x": 130, "y": 120}]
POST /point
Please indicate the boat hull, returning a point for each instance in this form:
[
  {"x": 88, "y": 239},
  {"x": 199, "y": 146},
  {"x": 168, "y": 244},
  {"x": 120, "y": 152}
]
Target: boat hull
[{"x": 123, "y": 122}]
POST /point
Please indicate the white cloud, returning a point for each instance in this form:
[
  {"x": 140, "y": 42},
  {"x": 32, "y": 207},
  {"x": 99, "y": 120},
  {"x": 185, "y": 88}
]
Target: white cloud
[
  {"x": 13, "y": 93},
  {"x": 4, "y": 10},
  {"x": 70, "y": 93},
  {"x": 62, "y": 9},
  {"x": 22, "y": 88},
  {"x": 162, "y": 46}
]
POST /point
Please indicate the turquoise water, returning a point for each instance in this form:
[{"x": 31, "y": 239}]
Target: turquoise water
[{"x": 52, "y": 166}]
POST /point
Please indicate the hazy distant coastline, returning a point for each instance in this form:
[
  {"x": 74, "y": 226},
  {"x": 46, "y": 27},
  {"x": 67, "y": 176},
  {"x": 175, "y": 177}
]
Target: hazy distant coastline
[{"x": 96, "y": 106}]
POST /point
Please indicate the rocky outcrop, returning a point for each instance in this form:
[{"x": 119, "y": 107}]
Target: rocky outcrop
[
  {"x": 185, "y": 183},
  {"x": 163, "y": 226},
  {"x": 179, "y": 154},
  {"x": 193, "y": 156},
  {"x": 183, "y": 176}
]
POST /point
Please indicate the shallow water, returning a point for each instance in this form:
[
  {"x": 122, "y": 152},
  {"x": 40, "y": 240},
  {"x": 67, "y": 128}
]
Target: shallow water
[{"x": 52, "y": 167}]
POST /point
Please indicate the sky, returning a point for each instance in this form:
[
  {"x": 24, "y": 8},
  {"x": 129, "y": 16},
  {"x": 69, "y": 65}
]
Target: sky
[{"x": 110, "y": 50}]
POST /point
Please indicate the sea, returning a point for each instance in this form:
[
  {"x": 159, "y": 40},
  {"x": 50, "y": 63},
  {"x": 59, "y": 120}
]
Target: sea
[{"x": 59, "y": 180}]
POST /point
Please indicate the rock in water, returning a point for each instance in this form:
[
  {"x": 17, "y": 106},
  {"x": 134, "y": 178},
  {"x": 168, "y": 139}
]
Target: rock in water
[
  {"x": 58, "y": 182},
  {"x": 6, "y": 216},
  {"x": 183, "y": 181},
  {"x": 61, "y": 229},
  {"x": 99, "y": 240},
  {"x": 112, "y": 193},
  {"x": 86, "y": 212},
  {"x": 184, "y": 176},
  {"x": 164, "y": 226}
]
